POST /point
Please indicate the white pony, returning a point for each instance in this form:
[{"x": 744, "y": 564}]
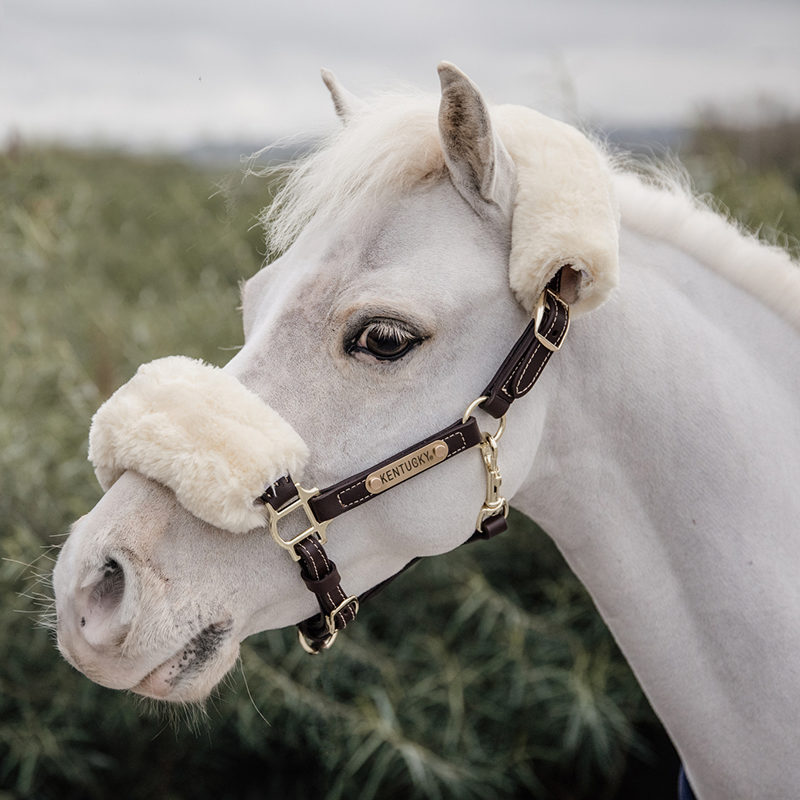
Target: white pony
[{"x": 660, "y": 448}]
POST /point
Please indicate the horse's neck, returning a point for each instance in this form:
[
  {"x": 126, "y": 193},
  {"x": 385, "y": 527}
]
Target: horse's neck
[{"x": 667, "y": 474}]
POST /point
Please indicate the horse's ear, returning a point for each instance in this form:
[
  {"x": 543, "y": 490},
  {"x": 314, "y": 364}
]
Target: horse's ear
[
  {"x": 345, "y": 103},
  {"x": 478, "y": 163}
]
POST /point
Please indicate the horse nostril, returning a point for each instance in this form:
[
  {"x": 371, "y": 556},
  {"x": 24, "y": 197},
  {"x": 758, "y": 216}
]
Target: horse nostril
[
  {"x": 107, "y": 592},
  {"x": 99, "y": 621}
]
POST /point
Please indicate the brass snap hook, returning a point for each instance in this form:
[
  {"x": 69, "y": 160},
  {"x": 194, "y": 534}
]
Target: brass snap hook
[{"x": 494, "y": 503}]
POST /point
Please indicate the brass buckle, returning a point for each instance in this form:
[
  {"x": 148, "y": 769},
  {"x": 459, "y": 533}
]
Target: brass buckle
[
  {"x": 538, "y": 315},
  {"x": 315, "y": 526},
  {"x": 330, "y": 619},
  {"x": 330, "y": 624},
  {"x": 494, "y": 503}
]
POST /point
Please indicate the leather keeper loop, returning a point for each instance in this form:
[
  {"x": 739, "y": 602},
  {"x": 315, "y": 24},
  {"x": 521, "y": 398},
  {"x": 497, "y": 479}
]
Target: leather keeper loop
[
  {"x": 324, "y": 585},
  {"x": 492, "y": 526},
  {"x": 280, "y": 493}
]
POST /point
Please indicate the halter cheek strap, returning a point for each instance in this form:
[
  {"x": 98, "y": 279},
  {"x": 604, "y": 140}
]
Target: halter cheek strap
[
  {"x": 515, "y": 378},
  {"x": 524, "y": 364}
]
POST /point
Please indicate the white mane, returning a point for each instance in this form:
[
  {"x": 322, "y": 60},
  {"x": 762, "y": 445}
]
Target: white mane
[
  {"x": 671, "y": 213},
  {"x": 393, "y": 143}
]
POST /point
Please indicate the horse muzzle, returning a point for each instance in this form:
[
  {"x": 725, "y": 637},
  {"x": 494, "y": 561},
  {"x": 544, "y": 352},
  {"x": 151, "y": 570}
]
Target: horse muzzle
[
  {"x": 125, "y": 619},
  {"x": 197, "y": 431}
]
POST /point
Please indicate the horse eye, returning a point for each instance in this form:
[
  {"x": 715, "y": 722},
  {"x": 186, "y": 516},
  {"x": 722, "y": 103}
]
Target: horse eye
[{"x": 385, "y": 340}]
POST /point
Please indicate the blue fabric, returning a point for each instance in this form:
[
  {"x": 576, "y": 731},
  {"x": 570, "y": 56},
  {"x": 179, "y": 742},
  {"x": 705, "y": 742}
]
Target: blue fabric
[{"x": 684, "y": 789}]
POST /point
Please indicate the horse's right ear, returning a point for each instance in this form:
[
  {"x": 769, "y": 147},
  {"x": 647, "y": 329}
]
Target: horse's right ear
[
  {"x": 476, "y": 159},
  {"x": 345, "y": 103}
]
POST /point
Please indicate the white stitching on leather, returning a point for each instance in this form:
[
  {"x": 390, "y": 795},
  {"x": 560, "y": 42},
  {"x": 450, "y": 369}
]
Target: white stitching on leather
[{"x": 357, "y": 484}]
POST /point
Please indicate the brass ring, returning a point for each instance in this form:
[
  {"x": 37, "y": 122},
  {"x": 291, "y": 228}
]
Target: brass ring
[
  {"x": 473, "y": 405},
  {"x": 306, "y": 644}
]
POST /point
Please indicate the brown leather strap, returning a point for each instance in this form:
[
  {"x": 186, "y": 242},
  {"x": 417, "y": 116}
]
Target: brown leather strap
[
  {"x": 380, "y": 586},
  {"x": 280, "y": 493},
  {"x": 524, "y": 364},
  {"x": 319, "y": 574},
  {"x": 492, "y": 526},
  {"x": 321, "y": 577},
  {"x": 352, "y": 491}
]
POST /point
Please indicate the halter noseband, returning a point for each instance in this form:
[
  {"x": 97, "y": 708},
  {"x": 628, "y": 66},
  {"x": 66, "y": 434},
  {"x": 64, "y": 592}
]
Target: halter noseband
[{"x": 522, "y": 367}]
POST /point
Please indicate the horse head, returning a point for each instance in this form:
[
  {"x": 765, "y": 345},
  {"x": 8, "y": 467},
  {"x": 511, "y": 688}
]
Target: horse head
[{"x": 415, "y": 248}]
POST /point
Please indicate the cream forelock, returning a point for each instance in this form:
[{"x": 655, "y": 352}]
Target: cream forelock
[{"x": 199, "y": 431}]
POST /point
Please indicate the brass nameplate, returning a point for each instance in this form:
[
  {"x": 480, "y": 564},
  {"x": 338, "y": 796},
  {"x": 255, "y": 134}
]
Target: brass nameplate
[{"x": 406, "y": 467}]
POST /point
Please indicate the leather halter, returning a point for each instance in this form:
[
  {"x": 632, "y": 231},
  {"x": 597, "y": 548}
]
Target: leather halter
[{"x": 515, "y": 378}]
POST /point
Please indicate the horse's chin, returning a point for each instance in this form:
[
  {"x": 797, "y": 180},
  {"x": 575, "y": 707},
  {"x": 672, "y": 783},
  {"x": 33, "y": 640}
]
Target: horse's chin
[{"x": 193, "y": 671}]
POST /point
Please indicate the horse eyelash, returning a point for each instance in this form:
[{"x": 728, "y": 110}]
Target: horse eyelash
[{"x": 389, "y": 328}]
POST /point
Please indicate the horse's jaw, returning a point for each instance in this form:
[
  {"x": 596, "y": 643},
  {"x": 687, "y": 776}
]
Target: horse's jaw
[{"x": 195, "y": 668}]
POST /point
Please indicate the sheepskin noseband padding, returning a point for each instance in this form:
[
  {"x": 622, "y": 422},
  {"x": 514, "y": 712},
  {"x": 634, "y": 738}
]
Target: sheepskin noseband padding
[
  {"x": 197, "y": 430},
  {"x": 565, "y": 211}
]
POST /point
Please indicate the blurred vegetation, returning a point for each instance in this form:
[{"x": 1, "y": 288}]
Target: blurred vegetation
[
  {"x": 753, "y": 171},
  {"x": 501, "y": 681}
]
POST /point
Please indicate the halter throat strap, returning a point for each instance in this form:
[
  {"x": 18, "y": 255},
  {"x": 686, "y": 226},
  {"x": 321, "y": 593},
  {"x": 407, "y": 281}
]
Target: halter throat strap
[{"x": 516, "y": 377}]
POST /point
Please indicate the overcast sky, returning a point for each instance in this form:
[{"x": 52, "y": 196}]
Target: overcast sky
[{"x": 175, "y": 72}]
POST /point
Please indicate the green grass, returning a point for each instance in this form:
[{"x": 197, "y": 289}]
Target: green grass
[
  {"x": 497, "y": 678},
  {"x": 754, "y": 173}
]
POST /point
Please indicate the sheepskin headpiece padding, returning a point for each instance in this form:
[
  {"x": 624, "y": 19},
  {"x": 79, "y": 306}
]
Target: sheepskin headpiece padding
[
  {"x": 199, "y": 431},
  {"x": 565, "y": 211}
]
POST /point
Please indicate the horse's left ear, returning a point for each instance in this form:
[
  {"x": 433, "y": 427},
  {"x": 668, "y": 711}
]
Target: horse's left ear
[{"x": 345, "y": 103}]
